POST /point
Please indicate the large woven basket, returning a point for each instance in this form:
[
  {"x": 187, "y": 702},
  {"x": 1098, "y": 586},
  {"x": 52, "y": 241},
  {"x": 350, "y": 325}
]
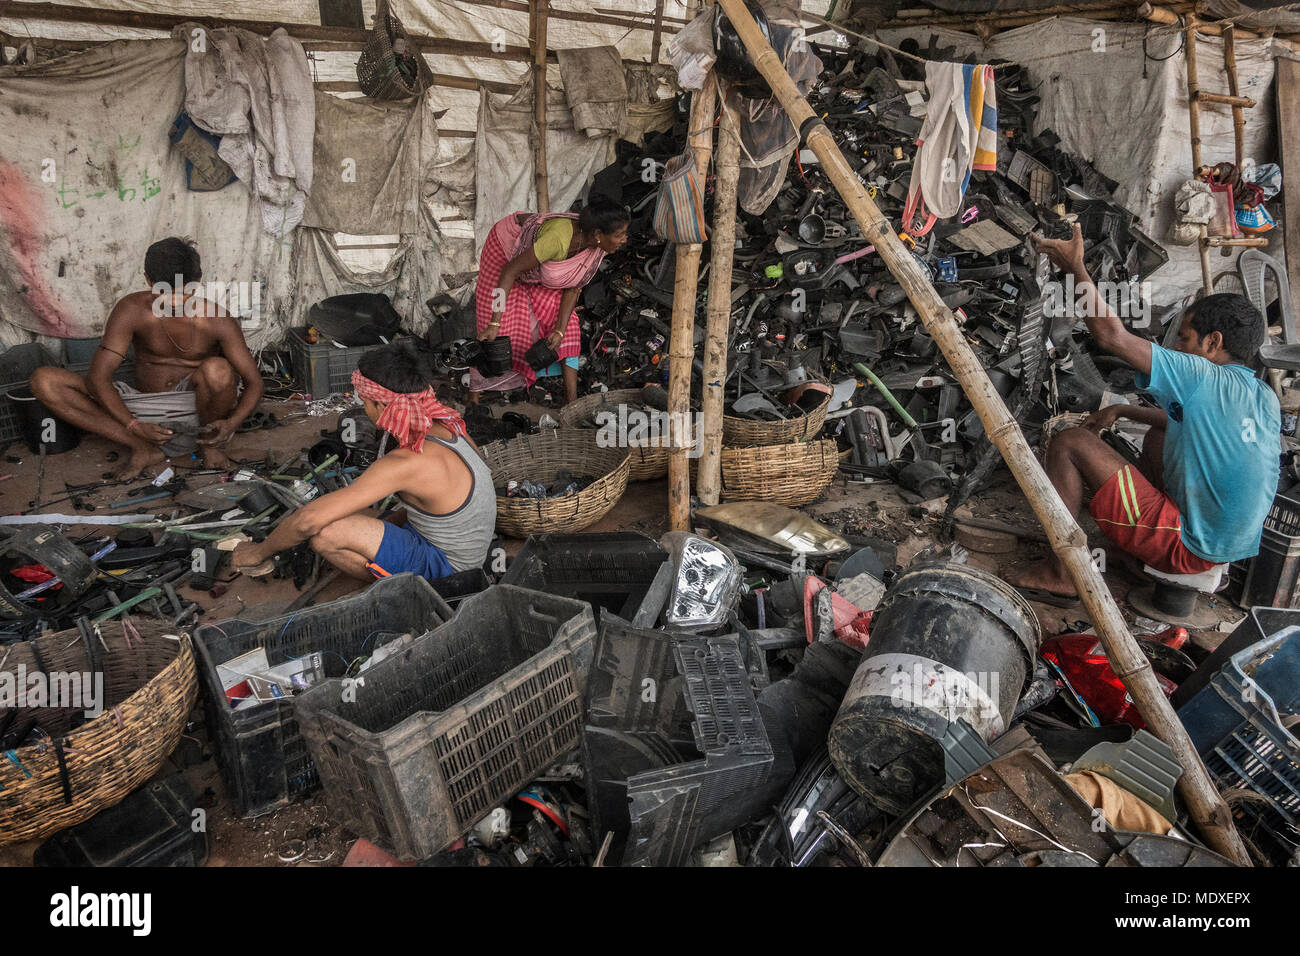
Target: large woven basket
[
  {"x": 646, "y": 463},
  {"x": 746, "y": 432},
  {"x": 791, "y": 475},
  {"x": 74, "y": 772},
  {"x": 540, "y": 458}
]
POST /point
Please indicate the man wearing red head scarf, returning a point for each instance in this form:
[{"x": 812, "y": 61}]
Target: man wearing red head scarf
[{"x": 435, "y": 471}]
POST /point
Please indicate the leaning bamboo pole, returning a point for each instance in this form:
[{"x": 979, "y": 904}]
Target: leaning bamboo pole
[
  {"x": 681, "y": 347},
  {"x": 1206, "y": 807},
  {"x": 540, "y": 10},
  {"x": 722, "y": 246}
]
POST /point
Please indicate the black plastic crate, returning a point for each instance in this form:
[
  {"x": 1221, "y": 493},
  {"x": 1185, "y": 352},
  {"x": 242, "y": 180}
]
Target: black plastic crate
[
  {"x": 447, "y": 729},
  {"x": 1273, "y": 575},
  {"x": 154, "y": 826},
  {"x": 263, "y": 757},
  {"x": 611, "y": 571},
  {"x": 661, "y": 795},
  {"x": 322, "y": 368}
]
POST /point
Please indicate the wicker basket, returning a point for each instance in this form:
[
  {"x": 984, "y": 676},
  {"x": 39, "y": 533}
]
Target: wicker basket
[
  {"x": 791, "y": 475},
  {"x": 540, "y": 458},
  {"x": 377, "y": 70},
  {"x": 148, "y": 692},
  {"x": 646, "y": 463},
  {"x": 746, "y": 433}
]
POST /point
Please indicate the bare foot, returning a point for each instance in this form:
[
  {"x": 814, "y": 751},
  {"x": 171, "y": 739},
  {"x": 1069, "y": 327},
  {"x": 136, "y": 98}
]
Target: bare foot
[
  {"x": 1042, "y": 576},
  {"x": 217, "y": 458},
  {"x": 142, "y": 457}
]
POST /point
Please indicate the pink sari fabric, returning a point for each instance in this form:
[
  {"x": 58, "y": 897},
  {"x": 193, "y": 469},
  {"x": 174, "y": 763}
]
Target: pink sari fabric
[
  {"x": 529, "y": 301},
  {"x": 516, "y": 237}
]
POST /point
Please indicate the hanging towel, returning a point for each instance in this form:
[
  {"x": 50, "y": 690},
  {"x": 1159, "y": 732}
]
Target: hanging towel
[{"x": 960, "y": 134}]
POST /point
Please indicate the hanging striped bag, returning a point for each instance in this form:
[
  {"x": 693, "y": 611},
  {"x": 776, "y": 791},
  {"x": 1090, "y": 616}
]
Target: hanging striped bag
[{"x": 679, "y": 211}]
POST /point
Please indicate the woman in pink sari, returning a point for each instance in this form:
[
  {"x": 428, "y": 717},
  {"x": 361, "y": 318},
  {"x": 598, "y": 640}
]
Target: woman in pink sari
[{"x": 531, "y": 272}]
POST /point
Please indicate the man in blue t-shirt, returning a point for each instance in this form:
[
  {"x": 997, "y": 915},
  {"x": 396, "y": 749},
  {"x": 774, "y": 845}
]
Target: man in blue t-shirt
[{"x": 1209, "y": 465}]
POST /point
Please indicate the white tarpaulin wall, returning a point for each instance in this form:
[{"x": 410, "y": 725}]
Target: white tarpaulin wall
[
  {"x": 1134, "y": 128},
  {"x": 88, "y": 180}
]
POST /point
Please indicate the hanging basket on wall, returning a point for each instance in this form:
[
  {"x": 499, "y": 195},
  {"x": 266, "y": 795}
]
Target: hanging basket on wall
[{"x": 390, "y": 66}]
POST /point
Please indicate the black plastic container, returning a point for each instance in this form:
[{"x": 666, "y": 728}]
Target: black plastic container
[
  {"x": 610, "y": 571},
  {"x": 1273, "y": 578},
  {"x": 947, "y": 642},
  {"x": 494, "y": 357},
  {"x": 37, "y": 422},
  {"x": 264, "y": 759},
  {"x": 154, "y": 826},
  {"x": 455, "y": 724},
  {"x": 660, "y": 791},
  {"x": 358, "y": 319}
]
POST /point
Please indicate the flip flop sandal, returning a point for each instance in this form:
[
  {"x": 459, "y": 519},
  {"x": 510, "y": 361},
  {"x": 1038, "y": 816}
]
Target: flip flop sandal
[{"x": 1044, "y": 596}]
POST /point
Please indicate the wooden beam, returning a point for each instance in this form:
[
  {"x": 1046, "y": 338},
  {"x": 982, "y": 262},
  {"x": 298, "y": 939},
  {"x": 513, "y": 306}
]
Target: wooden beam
[
  {"x": 1106, "y": 10},
  {"x": 722, "y": 249},
  {"x": 537, "y": 34},
  {"x": 1237, "y": 102},
  {"x": 1207, "y": 808},
  {"x": 610, "y": 17},
  {"x": 439, "y": 79},
  {"x": 1286, "y": 79},
  {"x": 658, "y": 34},
  {"x": 61, "y": 13}
]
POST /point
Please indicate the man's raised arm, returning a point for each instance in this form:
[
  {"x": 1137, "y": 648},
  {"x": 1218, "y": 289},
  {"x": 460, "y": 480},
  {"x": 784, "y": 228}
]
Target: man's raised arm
[{"x": 1104, "y": 324}]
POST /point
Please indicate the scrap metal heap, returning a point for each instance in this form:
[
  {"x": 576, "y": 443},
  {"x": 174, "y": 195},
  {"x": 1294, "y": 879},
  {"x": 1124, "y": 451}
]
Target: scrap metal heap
[{"x": 812, "y": 302}]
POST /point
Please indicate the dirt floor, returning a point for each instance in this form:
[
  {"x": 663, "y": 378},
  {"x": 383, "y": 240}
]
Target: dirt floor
[{"x": 303, "y": 834}]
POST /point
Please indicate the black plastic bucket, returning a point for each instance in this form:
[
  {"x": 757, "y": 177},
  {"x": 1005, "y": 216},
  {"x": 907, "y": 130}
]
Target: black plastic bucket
[
  {"x": 38, "y": 422},
  {"x": 948, "y": 642}
]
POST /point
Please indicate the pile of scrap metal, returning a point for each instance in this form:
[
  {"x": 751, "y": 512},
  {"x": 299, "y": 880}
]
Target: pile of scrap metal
[
  {"x": 811, "y": 302},
  {"x": 137, "y": 561},
  {"x": 761, "y": 692},
  {"x": 765, "y": 693}
]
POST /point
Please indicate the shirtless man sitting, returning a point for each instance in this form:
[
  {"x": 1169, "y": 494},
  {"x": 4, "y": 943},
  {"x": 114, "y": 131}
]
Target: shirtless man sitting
[{"x": 190, "y": 357}]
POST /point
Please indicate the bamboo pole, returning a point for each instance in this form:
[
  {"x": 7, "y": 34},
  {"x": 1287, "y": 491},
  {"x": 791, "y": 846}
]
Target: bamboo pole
[
  {"x": 681, "y": 347},
  {"x": 1194, "y": 126},
  {"x": 1108, "y": 10},
  {"x": 540, "y": 9},
  {"x": 1169, "y": 16},
  {"x": 722, "y": 246},
  {"x": 1234, "y": 90},
  {"x": 1206, "y": 807}
]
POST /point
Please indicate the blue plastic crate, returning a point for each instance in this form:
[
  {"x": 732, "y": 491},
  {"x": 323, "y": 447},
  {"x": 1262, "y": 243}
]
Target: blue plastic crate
[{"x": 1238, "y": 723}]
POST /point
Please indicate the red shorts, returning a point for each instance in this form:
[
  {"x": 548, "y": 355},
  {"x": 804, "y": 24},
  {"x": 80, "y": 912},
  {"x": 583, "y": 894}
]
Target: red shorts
[{"x": 1145, "y": 522}]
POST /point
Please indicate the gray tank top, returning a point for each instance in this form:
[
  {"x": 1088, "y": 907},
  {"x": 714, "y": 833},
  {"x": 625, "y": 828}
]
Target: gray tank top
[{"x": 465, "y": 534}]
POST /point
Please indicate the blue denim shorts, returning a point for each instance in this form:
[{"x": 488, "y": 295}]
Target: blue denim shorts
[{"x": 404, "y": 550}]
